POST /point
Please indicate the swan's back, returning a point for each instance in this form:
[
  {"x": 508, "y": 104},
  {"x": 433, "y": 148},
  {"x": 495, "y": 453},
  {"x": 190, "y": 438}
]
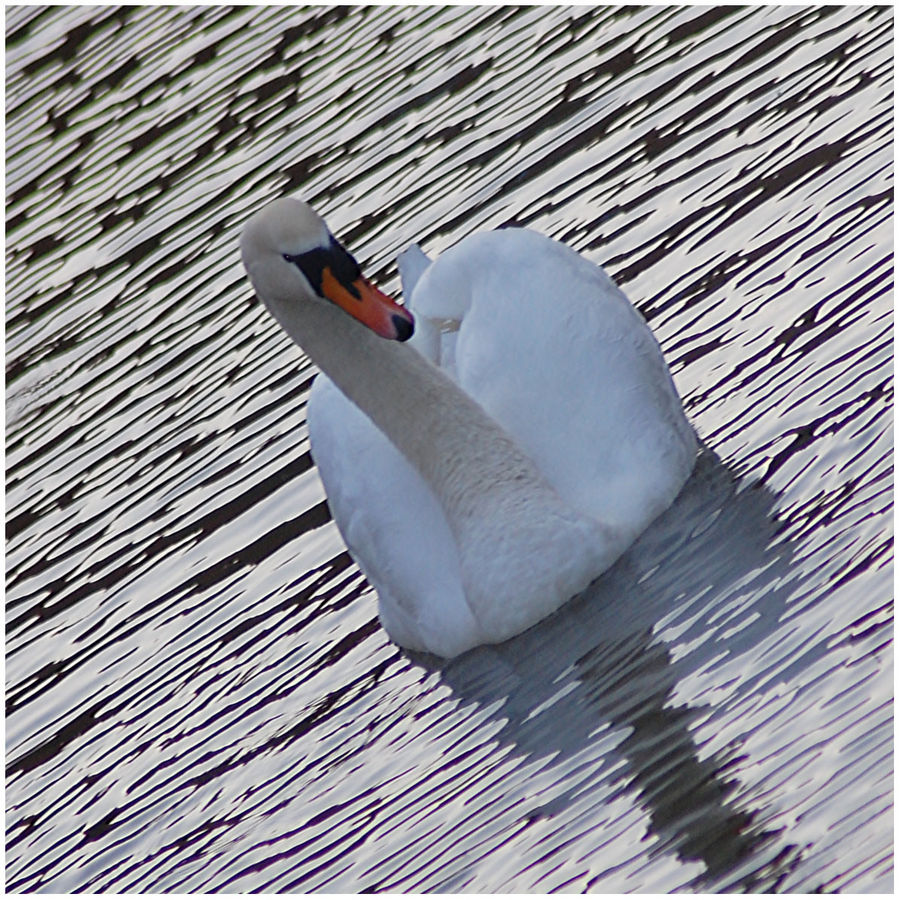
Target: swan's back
[{"x": 556, "y": 353}]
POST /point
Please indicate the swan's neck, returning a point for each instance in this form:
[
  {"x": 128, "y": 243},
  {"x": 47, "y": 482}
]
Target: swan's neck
[{"x": 469, "y": 461}]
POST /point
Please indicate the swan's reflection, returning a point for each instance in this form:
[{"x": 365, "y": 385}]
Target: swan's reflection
[{"x": 602, "y": 661}]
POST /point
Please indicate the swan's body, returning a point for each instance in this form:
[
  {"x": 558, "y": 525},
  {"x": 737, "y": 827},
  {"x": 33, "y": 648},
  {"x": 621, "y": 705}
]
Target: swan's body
[{"x": 483, "y": 479}]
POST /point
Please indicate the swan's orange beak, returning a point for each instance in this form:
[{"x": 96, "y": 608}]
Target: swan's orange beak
[{"x": 362, "y": 300}]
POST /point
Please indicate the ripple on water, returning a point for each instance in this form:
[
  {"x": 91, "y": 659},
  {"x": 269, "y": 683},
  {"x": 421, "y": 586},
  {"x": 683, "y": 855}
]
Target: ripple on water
[{"x": 199, "y": 696}]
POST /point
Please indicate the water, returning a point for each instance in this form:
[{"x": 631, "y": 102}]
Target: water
[{"x": 199, "y": 696}]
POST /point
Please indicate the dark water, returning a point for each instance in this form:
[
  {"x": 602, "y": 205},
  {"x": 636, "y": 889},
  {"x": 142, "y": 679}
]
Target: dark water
[{"x": 199, "y": 696}]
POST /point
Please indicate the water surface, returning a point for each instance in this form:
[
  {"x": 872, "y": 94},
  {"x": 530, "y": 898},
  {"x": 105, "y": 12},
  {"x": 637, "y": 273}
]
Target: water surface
[{"x": 199, "y": 696}]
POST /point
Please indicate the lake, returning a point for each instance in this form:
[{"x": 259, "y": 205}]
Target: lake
[{"x": 199, "y": 695}]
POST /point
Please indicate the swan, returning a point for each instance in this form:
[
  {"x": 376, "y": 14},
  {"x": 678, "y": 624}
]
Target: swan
[{"x": 487, "y": 460}]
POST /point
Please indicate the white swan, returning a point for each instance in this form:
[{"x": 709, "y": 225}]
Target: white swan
[{"x": 514, "y": 459}]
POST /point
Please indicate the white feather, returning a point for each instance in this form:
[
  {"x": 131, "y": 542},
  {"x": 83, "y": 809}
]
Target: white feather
[{"x": 555, "y": 353}]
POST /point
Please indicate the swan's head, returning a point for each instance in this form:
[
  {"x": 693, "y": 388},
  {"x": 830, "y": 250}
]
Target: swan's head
[{"x": 292, "y": 257}]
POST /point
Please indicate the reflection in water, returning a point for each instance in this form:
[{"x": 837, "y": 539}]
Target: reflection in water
[
  {"x": 598, "y": 663},
  {"x": 687, "y": 798}
]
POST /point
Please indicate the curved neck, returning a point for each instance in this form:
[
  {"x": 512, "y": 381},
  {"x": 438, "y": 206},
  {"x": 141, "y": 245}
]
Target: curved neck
[{"x": 460, "y": 451}]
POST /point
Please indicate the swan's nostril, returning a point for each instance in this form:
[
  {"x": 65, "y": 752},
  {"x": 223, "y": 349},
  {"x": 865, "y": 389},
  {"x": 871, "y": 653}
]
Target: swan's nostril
[{"x": 404, "y": 327}]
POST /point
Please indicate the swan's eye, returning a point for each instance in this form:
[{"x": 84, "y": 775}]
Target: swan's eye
[{"x": 334, "y": 257}]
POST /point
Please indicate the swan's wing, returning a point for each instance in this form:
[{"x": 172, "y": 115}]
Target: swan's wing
[
  {"x": 412, "y": 263},
  {"x": 392, "y": 525},
  {"x": 436, "y": 332},
  {"x": 556, "y": 353}
]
